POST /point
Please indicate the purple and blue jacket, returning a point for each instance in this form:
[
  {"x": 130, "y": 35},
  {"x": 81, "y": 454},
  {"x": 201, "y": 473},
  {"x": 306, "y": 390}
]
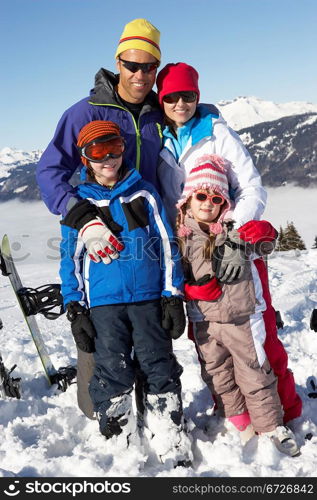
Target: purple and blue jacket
[{"x": 61, "y": 159}]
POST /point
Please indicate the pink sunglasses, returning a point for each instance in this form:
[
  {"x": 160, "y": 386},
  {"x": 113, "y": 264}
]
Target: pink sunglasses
[{"x": 216, "y": 199}]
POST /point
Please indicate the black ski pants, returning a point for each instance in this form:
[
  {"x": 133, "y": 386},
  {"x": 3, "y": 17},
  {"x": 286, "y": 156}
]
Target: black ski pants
[{"x": 120, "y": 327}]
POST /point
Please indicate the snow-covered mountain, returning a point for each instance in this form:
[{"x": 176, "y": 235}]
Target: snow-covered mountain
[
  {"x": 243, "y": 112},
  {"x": 17, "y": 174},
  {"x": 10, "y": 158},
  {"x": 285, "y": 150}
]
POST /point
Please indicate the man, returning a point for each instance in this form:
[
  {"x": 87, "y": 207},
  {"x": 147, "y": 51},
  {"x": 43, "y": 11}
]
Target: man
[{"x": 128, "y": 100}]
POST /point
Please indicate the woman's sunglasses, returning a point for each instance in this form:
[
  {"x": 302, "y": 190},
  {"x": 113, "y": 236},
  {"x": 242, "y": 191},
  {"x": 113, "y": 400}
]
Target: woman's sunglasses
[
  {"x": 135, "y": 66},
  {"x": 174, "y": 97},
  {"x": 215, "y": 199},
  {"x": 102, "y": 149}
]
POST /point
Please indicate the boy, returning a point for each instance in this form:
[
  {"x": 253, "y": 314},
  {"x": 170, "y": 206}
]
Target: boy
[{"x": 122, "y": 305}]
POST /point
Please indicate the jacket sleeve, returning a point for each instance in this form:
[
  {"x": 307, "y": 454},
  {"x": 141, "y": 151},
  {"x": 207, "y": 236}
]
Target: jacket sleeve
[
  {"x": 71, "y": 266},
  {"x": 260, "y": 234},
  {"x": 166, "y": 245},
  {"x": 245, "y": 181},
  {"x": 171, "y": 178},
  {"x": 61, "y": 159}
]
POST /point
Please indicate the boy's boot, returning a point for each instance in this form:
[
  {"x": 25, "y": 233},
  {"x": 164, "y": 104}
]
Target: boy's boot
[
  {"x": 118, "y": 419},
  {"x": 284, "y": 440},
  {"x": 168, "y": 438}
]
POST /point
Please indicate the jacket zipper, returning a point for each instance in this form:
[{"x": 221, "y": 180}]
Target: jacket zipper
[{"x": 160, "y": 133}]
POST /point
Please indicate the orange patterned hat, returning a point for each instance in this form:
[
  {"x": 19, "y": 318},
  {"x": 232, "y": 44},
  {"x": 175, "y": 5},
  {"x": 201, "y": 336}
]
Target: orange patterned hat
[{"x": 94, "y": 130}]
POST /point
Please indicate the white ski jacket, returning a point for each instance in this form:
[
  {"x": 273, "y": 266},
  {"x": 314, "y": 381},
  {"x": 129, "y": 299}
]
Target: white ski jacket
[{"x": 208, "y": 133}]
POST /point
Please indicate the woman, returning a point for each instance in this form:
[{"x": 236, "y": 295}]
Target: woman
[
  {"x": 192, "y": 130},
  {"x": 195, "y": 129}
]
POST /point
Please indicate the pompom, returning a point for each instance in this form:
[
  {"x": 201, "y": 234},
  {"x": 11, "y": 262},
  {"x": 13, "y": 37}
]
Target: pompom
[
  {"x": 183, "y": 231},
  {"x": 215, "y": 228}
]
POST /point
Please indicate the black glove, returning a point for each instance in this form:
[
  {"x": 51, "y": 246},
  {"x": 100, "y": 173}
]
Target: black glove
[
  {"x": 80, "y": 214},
  {"x": 313, "y": 320},
  {"x": 82, "y": 328},
  {"x": 84, "y": 212},
  {"x": 229, "y": 259},
  {"x": 173, "y": 316}
]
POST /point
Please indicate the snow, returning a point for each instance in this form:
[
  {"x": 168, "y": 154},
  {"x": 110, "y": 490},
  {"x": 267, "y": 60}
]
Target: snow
[
  {"x": 267, "y": 141},
  {"x": 20, "y": 189},
  {"x": 8, "y": 156},
  {"x": 244, "y": 112},
  {"x": 310, "y": 121},
  {"x": 45, "y": 434},
  {"x": 246, "y": 138}
]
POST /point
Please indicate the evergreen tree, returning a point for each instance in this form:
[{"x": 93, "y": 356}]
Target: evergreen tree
[
  {"x": 315, "y": 243},
  {"x": 279, "y": 243},
  {"x": 292, "y": 239}
]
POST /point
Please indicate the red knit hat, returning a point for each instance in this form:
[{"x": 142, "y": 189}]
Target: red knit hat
[
  {"x": 95, "y": 129},
  {"x": 178, "y": 77}
]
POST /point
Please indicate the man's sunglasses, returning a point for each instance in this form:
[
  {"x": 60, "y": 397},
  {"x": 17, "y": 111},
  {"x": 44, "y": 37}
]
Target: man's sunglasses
[
  {"x": 135, "y": 66},
  {"x": 216, "y": 199},
  {"x": 174, "y": 97},
  {"x": 102, "y": 149}
]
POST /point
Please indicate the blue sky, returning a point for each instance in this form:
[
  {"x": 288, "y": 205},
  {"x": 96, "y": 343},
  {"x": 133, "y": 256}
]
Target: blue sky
[{"x": 51, "y": 50}]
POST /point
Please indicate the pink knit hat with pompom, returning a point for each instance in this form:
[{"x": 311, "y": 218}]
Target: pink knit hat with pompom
[{"x": 209, "y": 172}]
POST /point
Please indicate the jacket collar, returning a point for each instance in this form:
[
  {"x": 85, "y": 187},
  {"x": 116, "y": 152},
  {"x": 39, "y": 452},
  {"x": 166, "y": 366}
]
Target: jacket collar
[
  {"x": 192, "y": 132},
  {"x": 194, "y": 226},
  {"x": 104, "y": 92}
]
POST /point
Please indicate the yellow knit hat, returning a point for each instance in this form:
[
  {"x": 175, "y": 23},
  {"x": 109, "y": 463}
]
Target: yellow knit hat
[{"x": 140, "y": 34}]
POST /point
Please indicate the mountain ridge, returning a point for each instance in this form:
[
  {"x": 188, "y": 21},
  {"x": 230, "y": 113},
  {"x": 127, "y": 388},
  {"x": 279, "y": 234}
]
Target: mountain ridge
[{"x": 242, "y": 112}]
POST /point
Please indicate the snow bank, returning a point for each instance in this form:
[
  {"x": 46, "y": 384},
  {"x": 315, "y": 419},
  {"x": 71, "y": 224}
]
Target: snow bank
[{"x": 44, "y": 433}]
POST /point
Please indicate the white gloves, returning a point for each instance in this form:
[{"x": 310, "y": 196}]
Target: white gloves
[{"x": 100, "y": 242}]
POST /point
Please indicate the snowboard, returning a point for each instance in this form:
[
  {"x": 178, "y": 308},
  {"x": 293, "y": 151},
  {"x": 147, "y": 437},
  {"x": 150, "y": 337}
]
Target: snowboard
[{"x": 64, "y": 376}]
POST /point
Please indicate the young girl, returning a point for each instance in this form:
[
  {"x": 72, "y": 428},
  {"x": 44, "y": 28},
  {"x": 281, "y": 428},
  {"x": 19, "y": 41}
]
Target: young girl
[
  {"x": 133, "y": 302},
  {"x": 228, "y": 319},
  {"x": 192, "y": 130}
]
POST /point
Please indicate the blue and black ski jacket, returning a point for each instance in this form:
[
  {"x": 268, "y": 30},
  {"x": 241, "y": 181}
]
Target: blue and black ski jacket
[{"x": 148, "y": 267}]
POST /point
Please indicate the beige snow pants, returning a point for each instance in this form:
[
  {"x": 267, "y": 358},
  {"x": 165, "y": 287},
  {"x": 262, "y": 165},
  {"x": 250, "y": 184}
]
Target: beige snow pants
[{"x": 231, "y": 370}]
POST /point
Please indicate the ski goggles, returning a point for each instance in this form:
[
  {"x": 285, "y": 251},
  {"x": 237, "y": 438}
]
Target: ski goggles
[
  {"x": 215, "y": 199},
  {"x": 135, "y": 66},
  {"x": 188, "y": 96},
  {"x": 103, "y": 148}
]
